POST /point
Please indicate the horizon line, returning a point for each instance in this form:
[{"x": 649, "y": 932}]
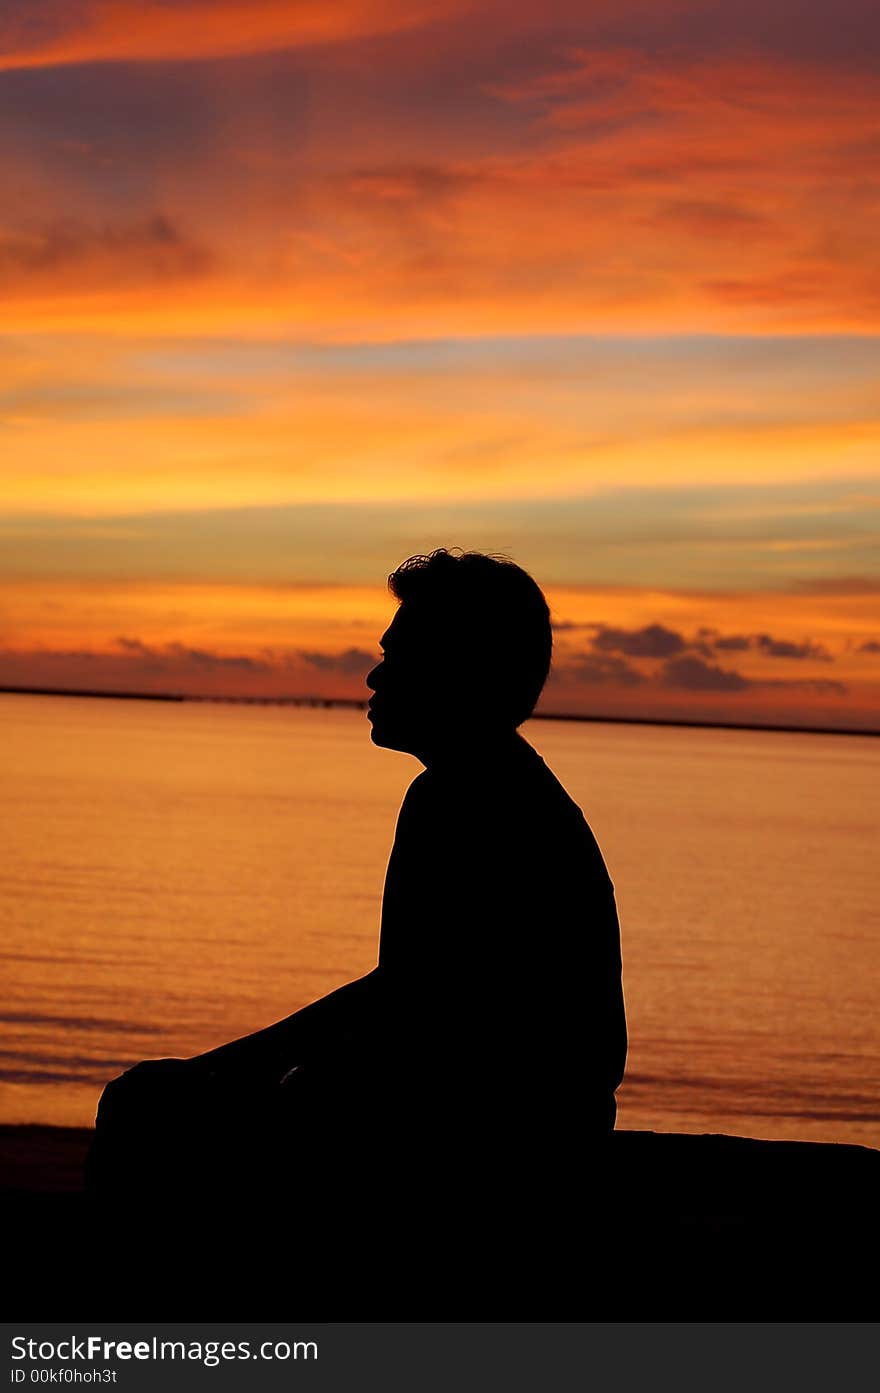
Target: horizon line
[{"x": 360, "y": 703}]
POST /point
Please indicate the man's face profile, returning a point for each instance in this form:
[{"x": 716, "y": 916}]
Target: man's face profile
[{"x": 408, "y": 684}]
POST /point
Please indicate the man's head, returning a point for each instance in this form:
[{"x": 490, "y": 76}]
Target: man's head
[{"x": 466, "y": 655}]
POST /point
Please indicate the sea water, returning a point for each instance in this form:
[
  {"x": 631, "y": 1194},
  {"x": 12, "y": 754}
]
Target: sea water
[{"x": 176, "y": 875}]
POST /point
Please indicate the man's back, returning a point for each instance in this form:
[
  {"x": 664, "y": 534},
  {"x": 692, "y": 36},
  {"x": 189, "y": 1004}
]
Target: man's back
[{"x": 500, "y": 947}]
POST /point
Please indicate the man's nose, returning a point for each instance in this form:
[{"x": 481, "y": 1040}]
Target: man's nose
[{"x": 375, "y": 676}]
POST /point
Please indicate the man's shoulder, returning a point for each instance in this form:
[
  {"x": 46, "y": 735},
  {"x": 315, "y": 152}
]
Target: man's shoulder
[
  {"x": 518, "y": 792},
  {"x": 534, "y": 785},
  {"x": 557, "y": 822}
]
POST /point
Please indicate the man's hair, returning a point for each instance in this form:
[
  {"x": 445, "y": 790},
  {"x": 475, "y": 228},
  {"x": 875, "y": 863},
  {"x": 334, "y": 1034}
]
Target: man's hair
[{"x": 497, "y": 616}]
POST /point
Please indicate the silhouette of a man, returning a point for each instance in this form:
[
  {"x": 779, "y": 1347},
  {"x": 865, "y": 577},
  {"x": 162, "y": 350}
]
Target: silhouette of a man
[{"x": 490, "y": 1038}]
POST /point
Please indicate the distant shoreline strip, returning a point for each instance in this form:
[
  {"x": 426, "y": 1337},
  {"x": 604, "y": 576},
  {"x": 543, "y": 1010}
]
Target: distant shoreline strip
[{"x": 353, "y": 703}]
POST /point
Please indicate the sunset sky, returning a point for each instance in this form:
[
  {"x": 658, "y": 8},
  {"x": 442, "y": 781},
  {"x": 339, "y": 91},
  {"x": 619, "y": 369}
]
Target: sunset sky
[{"x": 292, "y": 289}]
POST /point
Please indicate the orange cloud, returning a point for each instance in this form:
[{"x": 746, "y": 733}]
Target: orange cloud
[
  {"x": 102, "y": 426},
  {"x": 79, "y": 613},
  {"x": 610, "y": 190},
  {"x": 122, "y": 31},
  {"x": 99, "y": 258}
]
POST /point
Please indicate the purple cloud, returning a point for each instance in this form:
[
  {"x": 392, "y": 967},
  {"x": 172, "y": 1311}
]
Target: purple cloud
[
  {"x": 595, "y": 668},
  {"x": 353, "y": 662},
  {"x": 174, "y": 654},
  {"x": 696, "y": 675},
  {"x": 783, "y": 648},
  {"x": 731, "y": 643},
  {"x": 651, "y": 641}
]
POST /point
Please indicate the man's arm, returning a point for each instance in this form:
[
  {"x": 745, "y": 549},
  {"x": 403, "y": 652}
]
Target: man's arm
[
  {"x": 321, "y": 1026},
  {"x": 142, "y": 1112}
]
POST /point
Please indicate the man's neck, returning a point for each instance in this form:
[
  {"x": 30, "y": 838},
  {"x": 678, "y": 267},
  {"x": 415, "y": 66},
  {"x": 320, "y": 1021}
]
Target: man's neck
[{"x": 474, "y": 748}]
